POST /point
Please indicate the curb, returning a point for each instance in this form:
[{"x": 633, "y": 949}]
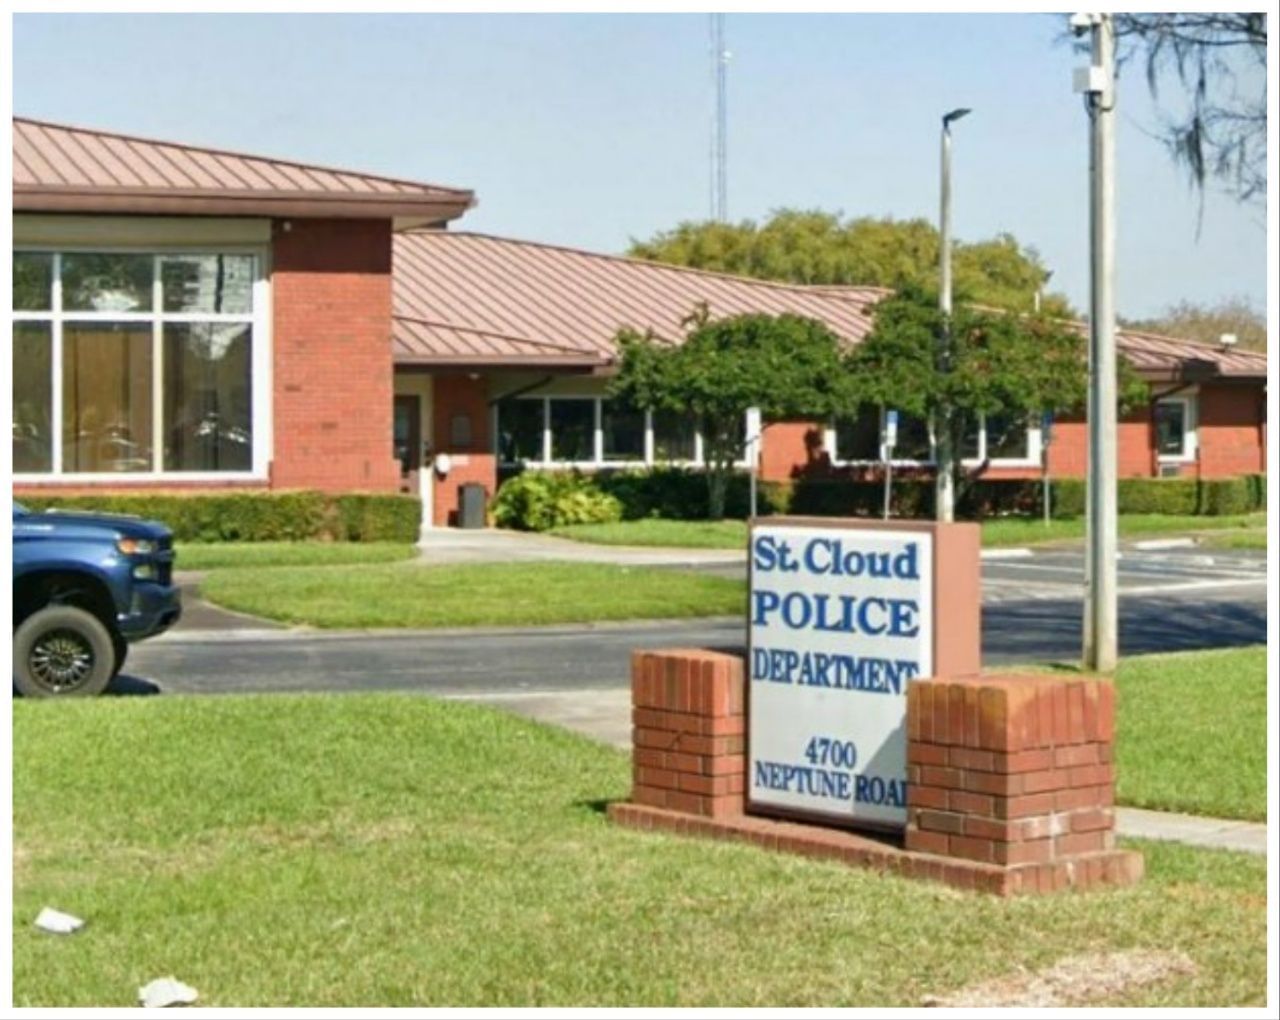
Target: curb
[
  {"x": 1020, "y": 553},
  {"x": 1165, "y": 543}
]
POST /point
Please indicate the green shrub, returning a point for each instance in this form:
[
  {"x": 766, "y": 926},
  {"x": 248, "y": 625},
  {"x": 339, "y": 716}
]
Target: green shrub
[
  {"x": 1066, "y": 497},
  {"x": 258, "y": 516},
  {"x": 369, "y": 517},
  {"x": 1223, "y": 496},
  {"x": 1257, "y": 492},
  {"x": 540, "y": 500},
  {"x": 681, "y": 494},
  {"x": 1179, "y": 496}
]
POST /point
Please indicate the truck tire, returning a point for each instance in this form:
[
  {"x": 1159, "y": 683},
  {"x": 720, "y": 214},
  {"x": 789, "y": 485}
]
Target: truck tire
[{"x": 62, "y": 651}]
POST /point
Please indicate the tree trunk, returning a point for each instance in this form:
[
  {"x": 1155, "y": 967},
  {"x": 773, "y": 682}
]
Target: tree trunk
[{"x": 717, "y": 487}]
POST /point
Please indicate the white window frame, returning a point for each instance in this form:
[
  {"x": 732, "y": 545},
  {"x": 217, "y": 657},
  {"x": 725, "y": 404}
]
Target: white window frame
[
  {"x": 1032, "y": 459},
  {"x": 260, "y": 382},
  {"x": 1190, "y": 429},
  {"x": 545, "y": 463}
]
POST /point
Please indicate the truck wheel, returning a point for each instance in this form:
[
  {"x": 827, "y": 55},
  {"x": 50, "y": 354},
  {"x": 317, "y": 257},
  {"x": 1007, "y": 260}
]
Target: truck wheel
[{"x": 62, "y": 651}]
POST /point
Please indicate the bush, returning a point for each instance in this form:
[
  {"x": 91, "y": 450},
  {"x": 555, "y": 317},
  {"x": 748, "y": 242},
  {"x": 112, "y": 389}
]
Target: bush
[
  {"x": 364, "y": 517},
  {"x": 541, "y": 500},
  {"x": 1157, "y": 496},
  {"x": 1066, "y": 497},
  {"x": 1223, "y": 496},
  {"x": 258, "y": 516},
  {"x": 681, "y": 494}
]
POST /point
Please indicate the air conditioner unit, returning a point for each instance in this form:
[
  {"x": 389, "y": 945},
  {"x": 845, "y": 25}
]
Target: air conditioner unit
[{"x": 1170, "y": 470}]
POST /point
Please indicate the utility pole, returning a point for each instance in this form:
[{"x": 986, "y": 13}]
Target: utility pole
[
  {"x": 944, "y": 472},
  {"x": 1097, "y": 83},
  {"x": 720, "y": 123}
]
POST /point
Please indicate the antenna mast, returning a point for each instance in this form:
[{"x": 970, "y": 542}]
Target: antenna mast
[{"x": 719, "y": 128}]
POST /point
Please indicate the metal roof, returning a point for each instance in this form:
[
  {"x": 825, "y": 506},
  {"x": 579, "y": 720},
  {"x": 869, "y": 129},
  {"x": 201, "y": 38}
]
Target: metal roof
[
  {"x": 57, "y": 168},
  {"x": 471, "y": 299},
  {"x": 464, "y": 298}
]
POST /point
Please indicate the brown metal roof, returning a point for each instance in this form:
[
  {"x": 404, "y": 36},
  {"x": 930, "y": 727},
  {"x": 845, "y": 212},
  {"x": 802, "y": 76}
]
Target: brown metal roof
[
  {"x": 473, "y": 299},
  {"x": 66, "y": 169},
  {"x": 1165, "y": 357}
]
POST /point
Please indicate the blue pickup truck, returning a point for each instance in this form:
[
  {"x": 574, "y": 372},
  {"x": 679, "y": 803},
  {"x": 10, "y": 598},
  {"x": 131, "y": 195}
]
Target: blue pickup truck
[{"x": 85, "y": 585}]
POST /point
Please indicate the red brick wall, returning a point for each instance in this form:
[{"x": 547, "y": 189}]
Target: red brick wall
[
  {"x": 459, "y": 394},
  {"x": 332, "y": 385},
  {"x": 1231, "y": 434}
]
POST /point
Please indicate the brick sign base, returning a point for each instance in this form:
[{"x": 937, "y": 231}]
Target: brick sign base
[{"x": 1009, "y": 786}]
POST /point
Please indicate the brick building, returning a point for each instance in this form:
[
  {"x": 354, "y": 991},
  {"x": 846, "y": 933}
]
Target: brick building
[{"x": 187, "y": 319}]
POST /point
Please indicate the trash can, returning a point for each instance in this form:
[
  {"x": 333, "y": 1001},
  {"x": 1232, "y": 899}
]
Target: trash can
[{"x": 471, "y": 508}]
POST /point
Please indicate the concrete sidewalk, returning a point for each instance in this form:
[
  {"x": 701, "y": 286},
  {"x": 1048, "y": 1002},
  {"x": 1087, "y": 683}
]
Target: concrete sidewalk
[
  {"x": 494, "y": 545},
  {"x": 605, "y": 715}
]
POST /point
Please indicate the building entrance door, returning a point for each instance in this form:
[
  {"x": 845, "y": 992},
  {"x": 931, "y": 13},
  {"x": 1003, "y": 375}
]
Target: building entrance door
[{"x": 407, "y": 440}]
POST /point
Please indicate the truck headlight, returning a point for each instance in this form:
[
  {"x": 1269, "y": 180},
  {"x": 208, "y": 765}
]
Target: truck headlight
[{"x": 135, "y": 546}]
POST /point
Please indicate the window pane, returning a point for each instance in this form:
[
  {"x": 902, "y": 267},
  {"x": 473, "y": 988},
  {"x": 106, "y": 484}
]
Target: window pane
[
  {"x": 859, "y": 438},
  {"x": 106, "y": 283},
  {"x": 673, "y": 434},
  {"x": 32, "y": 397},
  {"x": 519, "y": 431},
  {"x": 969, "y": 434},
  {"x": 1171, "y": 422},
  {"x": 207, "y": 283},
  {"x": 573, "y": 426},
  {"x": 208, "y": 399},
  {"x": 1006, "y": 437},
  {"x": 913, "y": 438},
  {"x": 106, "y": 397},
  {"x": 623, "y": 429},
  {"x": 32, "y": 281}
]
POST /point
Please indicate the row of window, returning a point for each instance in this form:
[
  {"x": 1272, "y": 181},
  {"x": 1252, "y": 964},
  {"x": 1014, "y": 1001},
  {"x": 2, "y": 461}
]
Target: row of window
[{"x": 133, "y": 363}]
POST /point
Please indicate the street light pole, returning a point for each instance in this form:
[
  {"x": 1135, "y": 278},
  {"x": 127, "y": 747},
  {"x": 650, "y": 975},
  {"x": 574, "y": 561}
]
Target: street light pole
[
  {"x": 944, "y": 481},
  {"x": 1097, "y": 84}
]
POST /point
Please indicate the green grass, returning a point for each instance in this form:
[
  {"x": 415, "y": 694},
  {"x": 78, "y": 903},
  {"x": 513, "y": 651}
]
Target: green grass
[
  {"x": 995, "y": 533},
  {"x": 657, "y": 531},
  {"x": 395, "y": 850},
  {"x": 211, "y": 555},
  {"x": 1191, "y": 732},
  {"x": 485, "y": 594},
  {"x": 1254, "y": 538}
]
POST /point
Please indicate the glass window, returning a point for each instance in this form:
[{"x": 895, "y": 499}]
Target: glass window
[
  {"x": 32, "y": 281},
  {"x": 913, "y": 438},
  {"x": 106, "y": 397},
  {"x": 1171, "y": 428},
  {"x": 623, "y": 431},
  {"x": 859, "y": 438},
  {"x": 221, "y": 284},
  {"x": 106, "y": 283},
  {"x": 673, "y": 436},
  {"x": 1007, "y": 437},
  {"x": 208, "y": 412},
  {"x": 32, "y": 396},
  {"x": 573, "y": 430},
  {"x": 519, "y": 431}
]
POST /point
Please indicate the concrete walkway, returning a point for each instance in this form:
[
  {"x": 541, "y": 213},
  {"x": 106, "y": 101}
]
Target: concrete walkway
[
  {"x": 605, "y": 715},
  {"x": 494, "y": 545}
]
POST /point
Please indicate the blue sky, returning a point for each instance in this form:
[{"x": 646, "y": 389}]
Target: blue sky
[{"x": 588, "y": 130}]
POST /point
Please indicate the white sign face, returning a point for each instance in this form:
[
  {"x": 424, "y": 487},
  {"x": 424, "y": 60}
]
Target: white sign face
[{"x": 841, "y": 619}]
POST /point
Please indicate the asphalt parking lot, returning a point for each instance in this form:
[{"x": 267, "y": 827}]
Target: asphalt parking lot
[{"x": 1032, "y": 605}]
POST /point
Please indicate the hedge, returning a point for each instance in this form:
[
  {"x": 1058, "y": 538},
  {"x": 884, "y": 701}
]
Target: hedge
[{"x": 259, "y": 516}]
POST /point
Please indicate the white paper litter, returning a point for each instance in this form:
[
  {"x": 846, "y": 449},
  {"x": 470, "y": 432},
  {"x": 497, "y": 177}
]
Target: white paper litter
[
  {"x": 166, "y": 991},
  {"x": 57, "y": 922}
]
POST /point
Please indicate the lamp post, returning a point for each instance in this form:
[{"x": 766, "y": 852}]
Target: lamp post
[{"x": 944, "y": 482}]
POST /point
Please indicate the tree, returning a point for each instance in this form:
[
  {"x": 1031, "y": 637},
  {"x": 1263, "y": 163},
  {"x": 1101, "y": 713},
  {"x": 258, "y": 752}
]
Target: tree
[
  {"x": 1207, "y": 323},
  {"x": 996, "y": 364},
  {"x": 1220, "y": 59},
  {"x": 786, "y": 365},
  {"x": 813, "y": 247}
]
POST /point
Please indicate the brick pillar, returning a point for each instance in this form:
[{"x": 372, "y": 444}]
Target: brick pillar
[
  {"x": 689, "y": 731},
  {"x": 1016, "y": 771}
]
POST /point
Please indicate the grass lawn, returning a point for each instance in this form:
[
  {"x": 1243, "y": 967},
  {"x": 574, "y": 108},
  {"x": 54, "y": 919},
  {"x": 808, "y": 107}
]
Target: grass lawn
[
  {"x": 210, "y": 555},
  {"x": 485, "y": 594},
  {"x": 1003, "y": 532},
  {"x": 1253, "y": 538},
  {"x": 1191, "y": 732},
  {"x": 395, "y": 850}
]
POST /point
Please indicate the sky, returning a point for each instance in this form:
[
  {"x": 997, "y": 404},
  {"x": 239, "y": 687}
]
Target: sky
[{"x": 592, "y": 130}]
